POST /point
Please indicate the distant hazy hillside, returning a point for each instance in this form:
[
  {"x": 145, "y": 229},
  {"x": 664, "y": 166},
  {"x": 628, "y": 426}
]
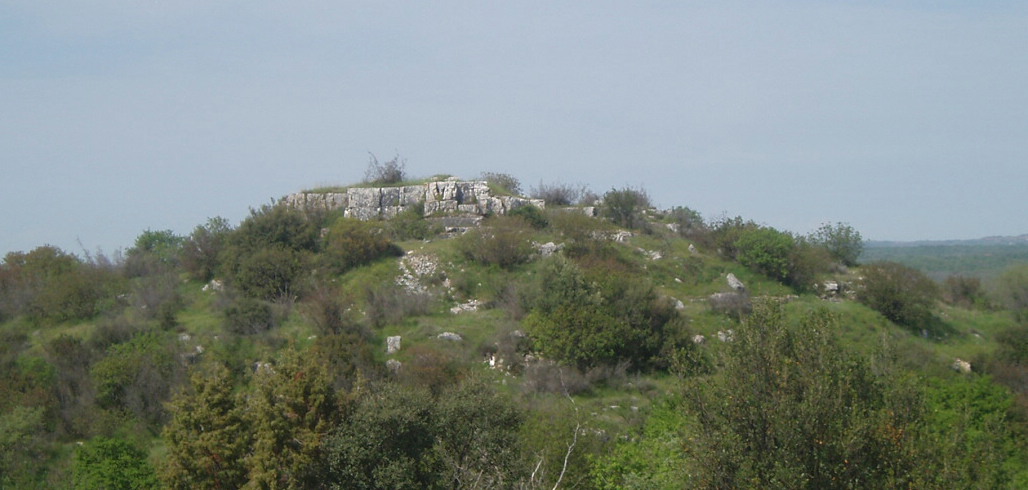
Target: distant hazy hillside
[{"x": 984, "y": 257}]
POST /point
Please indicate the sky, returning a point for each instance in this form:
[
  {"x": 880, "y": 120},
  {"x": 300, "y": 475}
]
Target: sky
[{"x": 907, "y": 120}]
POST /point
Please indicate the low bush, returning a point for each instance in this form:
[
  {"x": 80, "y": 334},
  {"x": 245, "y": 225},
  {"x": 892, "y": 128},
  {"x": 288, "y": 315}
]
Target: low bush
[
  {"x": 900, "y": 293},
  {"x": 501, "y": 241},
  {"x": 557, "y": 194}
]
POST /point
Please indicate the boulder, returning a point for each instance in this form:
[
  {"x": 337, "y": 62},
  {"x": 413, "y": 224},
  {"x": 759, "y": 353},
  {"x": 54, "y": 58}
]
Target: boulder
[
  {"x": 393, "y": 344},
  {"x": 452, "y": 337},
  {"x": 961, "y": 366},
  {"x": 735, "y": 283},
  {"x": 393, "y": 365}
]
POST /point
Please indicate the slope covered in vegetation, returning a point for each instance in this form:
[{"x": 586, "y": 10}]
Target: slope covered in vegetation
[{"x": 603, "y": 346}]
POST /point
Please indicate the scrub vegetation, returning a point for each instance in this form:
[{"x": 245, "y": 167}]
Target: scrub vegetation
[{"x": 596, "y": 343}]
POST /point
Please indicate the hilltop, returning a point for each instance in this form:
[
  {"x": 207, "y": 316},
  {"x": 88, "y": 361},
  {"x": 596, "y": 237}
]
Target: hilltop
[{"x": 458, "y": 333}]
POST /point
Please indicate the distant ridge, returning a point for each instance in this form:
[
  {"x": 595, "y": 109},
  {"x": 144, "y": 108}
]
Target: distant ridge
[{"x": 992, "y": 240}]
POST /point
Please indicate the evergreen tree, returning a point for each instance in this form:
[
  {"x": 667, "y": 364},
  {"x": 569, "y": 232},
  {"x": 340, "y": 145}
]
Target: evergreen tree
[{"x": 207, "y": 437}]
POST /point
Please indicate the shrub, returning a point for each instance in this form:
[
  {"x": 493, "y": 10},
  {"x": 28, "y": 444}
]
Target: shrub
[
  {"x": 841, "y": 240},
  {"x": 201, "y": 250},
  {"x": 153, "y": 252},
  {"x": 137, "y": 377},
  {"x": 557, "y": 194},
  {"x": 350, "y": 243},
  {"x": 689, "y": 223},
  {"x": 902, "y": 294},
  {"x": 792, "y": 409},
  {"x": 624, "y": 206},
  {"x": 387, "y": 172},
  {"x": 272, "y": 273},
  {"x": 766, "y": 250},
  {"x": 502, "y": 241},
  {"x": 389, "y": 303},
  {"x": 247, "y": 316},
  {"x": 964, "y": 291},
  {"x": 275, "y": 225},
  {"x": 410, "y": 224},
  {"x": 105, "y": 463},
  {"x": 507, "y": 184},
  {"x": 726, "y": 233},
  {"x": 1014, "y": 289},
  {"x": 532, "y": 215}
]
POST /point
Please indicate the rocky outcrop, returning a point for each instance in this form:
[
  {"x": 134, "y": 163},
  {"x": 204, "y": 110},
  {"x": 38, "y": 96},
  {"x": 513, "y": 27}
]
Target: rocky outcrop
[{"x": 447, "y": 197}]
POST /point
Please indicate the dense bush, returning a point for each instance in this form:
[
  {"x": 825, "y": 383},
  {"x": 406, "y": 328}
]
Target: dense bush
[
  {"x": 351, "y": 242},
  {"x": 248, "y": 316},
  {"x": 766, "y": 250},
  {"x": 502, "y": 241},
  {"x": 137, "y": 377},
  {"x": 603, "y": 320},
  {"x": 965, "y": 292},
  {"x": 532, "y": 215},
  {"x": 104, "y": 463},
  {"x": 791, "y": 409},
  {"x": 272, "y": 273},
  {"x": 49, "y": 285},
  {"x": 902, "y": 294},
  {"x": 688, "y": 223},
  {"x": 624, "y": 206}
]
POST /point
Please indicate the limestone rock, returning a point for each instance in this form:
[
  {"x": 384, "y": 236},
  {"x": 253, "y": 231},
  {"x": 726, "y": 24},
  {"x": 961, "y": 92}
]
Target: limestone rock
[
  {"x": 735, "y": 283},
  {"x": 393, "y": 344},
  {"x": 393, "y": 365},
  {"x": 452, "y": 337},
  {"x": 961, "y": 366}
]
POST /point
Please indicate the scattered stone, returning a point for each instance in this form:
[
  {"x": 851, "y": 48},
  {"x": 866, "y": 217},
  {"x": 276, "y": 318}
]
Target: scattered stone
[
  {"x": 549, "y": 248},
  {"x": 674, "y": 227},
  {"x": 679, "y": 305},
  {"x": 393, "y": 365},
  {"x": 961, "y": 366},
  {"x": 726, "y": 335},
  {"x": 735, "y": 283},
  {"x": 185, "y": 337},
  {"x": 214, "y": 285},
  {"x": 393, "y": 344},
  {"x": 453, "y": 337},
  {"x": 692, "y": 249},
  {"x": 471, "y": 305},
  {"x": 621, "y": 236},
  {"x": 698, "y": 339},
  {"x": 679, "y": 281}
]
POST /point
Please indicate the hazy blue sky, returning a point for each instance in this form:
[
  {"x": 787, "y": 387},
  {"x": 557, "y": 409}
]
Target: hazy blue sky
[{"x": 908, "y": 120}]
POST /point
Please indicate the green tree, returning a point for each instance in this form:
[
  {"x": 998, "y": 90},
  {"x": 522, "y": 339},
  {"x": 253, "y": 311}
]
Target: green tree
[
  {"x": 153, "y": 251},
  {"x": 792, "y": 409},
  {"x": 900, "y": 293},
  {"x": 208, "y": 436},
  {"x": 841, "y": 240},
  {"x": 292, "y": 411},
  {"x": 503, "y": 241},
  {"x": 104, "y": 463},
  {"x": 387, "y": 442}
]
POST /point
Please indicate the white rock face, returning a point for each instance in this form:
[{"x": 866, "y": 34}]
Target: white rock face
[
  {"x": 442, "y": 197},
  {"x": 393, "y": 344}
]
